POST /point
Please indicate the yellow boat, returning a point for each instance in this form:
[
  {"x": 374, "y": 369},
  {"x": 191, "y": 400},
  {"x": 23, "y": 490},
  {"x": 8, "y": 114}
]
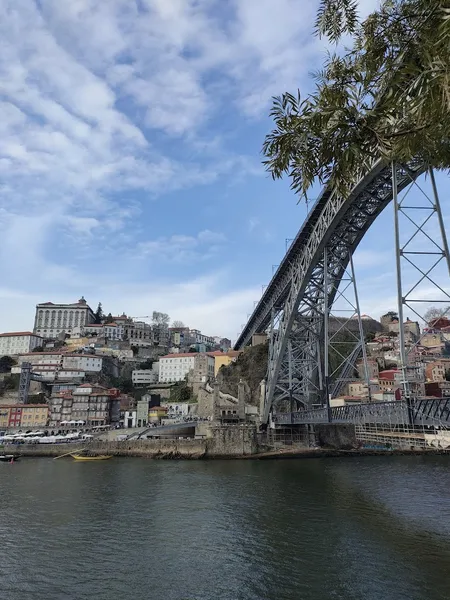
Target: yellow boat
[{"x": 99, "y": 457}]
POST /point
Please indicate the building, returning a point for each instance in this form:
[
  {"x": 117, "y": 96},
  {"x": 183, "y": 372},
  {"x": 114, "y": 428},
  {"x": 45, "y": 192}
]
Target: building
[
  {"x": 138, "y": 333},
  {"x": 178, "y": 409},
  {"x": 197, "y": 337},
  {"x": 223, "y": 359},
  {"x": 156, "y": 413},
  {"x": 4, "y": 417},
  {"x": 83, "y": 362},
  {"x": 435, "y": 371},
  {"x": 438, "y": 389},
  {"x": 431, "y": 339},
  {"x": 144, "y": 376},
  {"x": 357, "y": 389},
  {"x": 389, "y": 379},
  {"x": 18, "y": 342},
  {"x": 142, "y": 413},
  {"x": 175, "y": 367},
  {"x": 411, "y": 328},
  {"x": 53, "y": 319},
  {"x": 203, "y": 368},
  {"x": 372, "y": 368},
  {"x": 93, "y": 404},
  {"x": 25, "y": 416},
  {"x": 129, "y": 418},
  {"x": 57, "y": 365},
  {"x": 180, "y": 336},
  {"x": 113, "y": 331}
]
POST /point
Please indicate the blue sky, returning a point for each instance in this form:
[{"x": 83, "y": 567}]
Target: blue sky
[{"x": 130, "y": 156}]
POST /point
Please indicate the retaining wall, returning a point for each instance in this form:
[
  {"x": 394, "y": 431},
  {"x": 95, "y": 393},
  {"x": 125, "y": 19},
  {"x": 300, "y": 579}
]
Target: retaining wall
[
  {"x": 339, "y": 436},
  {"x": 224, "y": 442}
]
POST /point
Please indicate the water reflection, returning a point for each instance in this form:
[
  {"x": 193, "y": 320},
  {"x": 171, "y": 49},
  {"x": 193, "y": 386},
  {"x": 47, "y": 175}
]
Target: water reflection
[{"x": 372, "y": 528}]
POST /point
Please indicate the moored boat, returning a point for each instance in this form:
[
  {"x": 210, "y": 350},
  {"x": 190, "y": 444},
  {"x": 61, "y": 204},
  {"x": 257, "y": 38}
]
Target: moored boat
[
  {"x": 8, "y": 458},
  {"x": 84, "y": 457}
]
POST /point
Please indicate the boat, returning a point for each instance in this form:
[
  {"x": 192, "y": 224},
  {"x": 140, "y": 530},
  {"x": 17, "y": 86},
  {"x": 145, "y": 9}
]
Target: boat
[
  {"x": 84, "y": 457},
  {"x": 8, "y": 458}
]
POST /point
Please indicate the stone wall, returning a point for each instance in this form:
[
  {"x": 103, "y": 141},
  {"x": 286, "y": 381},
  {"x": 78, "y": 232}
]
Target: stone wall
[
  {"x": 222, "y": 441},
  {"x": 340, "y": 436},
  {"x": 232, "y": 440}
]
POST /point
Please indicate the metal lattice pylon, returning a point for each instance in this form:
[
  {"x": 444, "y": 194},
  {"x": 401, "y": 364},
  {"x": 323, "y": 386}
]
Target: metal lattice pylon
[{"x": 422, "y": 265}]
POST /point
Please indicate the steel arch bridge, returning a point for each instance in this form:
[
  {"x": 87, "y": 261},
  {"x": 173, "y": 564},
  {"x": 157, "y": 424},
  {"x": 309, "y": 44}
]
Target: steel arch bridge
[{"x": 294, "y": 307}]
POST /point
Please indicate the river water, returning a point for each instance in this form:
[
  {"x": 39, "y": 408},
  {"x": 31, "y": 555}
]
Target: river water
[{"x": 372, "y": 528}]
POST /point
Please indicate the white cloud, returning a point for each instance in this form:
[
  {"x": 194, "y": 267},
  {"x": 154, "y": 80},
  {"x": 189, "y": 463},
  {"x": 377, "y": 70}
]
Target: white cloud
[
  {"x": 183, "y": 248},
  {"x": 108, "y": 104}
]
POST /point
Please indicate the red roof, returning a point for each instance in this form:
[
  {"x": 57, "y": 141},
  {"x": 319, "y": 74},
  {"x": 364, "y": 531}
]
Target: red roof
[
  {"x": 389, "y": 374},
  {"x": 16, "y": 333}
]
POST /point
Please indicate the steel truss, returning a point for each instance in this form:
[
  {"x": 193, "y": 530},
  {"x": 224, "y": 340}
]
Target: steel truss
[
  {"x": 431, "y": 412},
  {"x": 325, "y": 254},
  {"x": 293, "y": 305},
  {"x": 421, "y": 251}
]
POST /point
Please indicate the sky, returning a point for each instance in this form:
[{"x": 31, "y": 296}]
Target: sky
[{"x": 130, "y": 157}]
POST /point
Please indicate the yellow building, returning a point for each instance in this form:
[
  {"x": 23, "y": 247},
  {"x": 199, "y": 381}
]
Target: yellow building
[
  {"x": 224, "y": 359},
  {"x": 27, "y": 416},
  {"x": 156, "y": 413},
  {"x": 34, "y": 415},
  {"x": 4, "y": 417}
]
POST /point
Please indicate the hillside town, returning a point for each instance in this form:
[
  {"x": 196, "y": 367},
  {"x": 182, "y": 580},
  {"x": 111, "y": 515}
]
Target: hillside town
[{"x": 81, "y": 368}]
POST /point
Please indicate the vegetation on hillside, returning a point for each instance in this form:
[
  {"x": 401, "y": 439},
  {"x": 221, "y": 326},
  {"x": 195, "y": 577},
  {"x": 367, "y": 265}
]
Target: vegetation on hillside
[{"x": 251, "y": 367}]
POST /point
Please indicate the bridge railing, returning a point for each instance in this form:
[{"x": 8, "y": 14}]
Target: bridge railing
[{"x": 421, "y": 411}]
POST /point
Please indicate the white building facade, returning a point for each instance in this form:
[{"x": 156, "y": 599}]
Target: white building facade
[
  {"x": 175, "y": 367},
  {"x": 52, "y": 319},
  {"x": 144, "y": 376},
  {"x": 83, "y": 362},
  {"x": 18, "y": 342}
]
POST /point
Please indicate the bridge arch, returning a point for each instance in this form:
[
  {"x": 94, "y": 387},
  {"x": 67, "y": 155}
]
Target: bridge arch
[{"x": 292, "y": 306}]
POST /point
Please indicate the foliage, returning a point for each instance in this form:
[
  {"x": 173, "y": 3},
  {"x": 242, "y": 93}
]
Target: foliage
[
  {"x": 38, "y": 349},
  {"x": 11, "y": 382},
  {"x": 146, "y": 365},
  {"x": 159, "y": 318},
  {"x": 370, "y": 336},
  {"x": 124, "y": 384},
  {"x": 251, "y": 368},
  {"x": 109, "y": 318},
  {"x": 6, "y": 362},
  {"x": 98, "y": 316},
  {"x": 180, "y": 392},
  {"x": 434, "y": 313},
  {"x": 387, "y": 97},
  {"x": 178, "y": 324}
]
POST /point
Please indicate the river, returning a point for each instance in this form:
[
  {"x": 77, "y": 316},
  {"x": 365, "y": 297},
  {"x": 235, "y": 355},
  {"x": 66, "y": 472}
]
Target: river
[{"x": 370, "y": 528}]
